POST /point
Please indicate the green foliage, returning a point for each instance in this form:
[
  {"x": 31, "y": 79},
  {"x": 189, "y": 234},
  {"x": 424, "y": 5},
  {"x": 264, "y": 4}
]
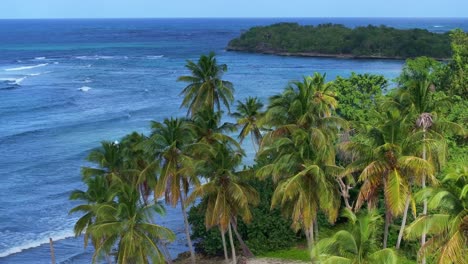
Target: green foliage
[
  {"x": 355, "y": 244},
  {"x": 457, "y": 70},
  {"x": 357, "y": 96},
  {"x": 333, "y": 39}
]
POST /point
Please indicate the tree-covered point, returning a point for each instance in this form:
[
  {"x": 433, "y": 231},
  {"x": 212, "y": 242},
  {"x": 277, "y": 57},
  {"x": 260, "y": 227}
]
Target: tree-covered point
[{"x": 338, "y": 40}]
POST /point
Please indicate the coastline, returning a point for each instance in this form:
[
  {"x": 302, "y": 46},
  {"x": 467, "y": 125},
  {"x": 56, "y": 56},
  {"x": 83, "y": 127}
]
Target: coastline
[{"x": 321, "y": 55}]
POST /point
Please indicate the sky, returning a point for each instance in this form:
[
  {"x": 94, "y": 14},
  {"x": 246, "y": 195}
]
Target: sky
[{"x": 230, "y": 8}]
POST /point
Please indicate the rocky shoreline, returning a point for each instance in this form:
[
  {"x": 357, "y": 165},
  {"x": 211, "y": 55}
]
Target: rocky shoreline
[{"x": 317, "y": 54}]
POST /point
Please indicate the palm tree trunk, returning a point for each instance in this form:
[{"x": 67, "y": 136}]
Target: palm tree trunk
[
  {"x": 387, "y": 224},
  {"x": 403, "y": 222},
  {"x": 187, "y": 227},
  {"x": 316, "y": 230},
  {"x": 245, "y": 249},
  {"x": 224, "y": 245},
  {"x": 233, "y": 249},
  {"x": 423, "y": 236},
  {"x": 311, "y": 235}
]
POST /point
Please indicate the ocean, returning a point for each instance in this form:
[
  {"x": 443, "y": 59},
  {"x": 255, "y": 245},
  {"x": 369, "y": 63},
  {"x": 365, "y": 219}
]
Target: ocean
[{"x": 66, "y": 85}]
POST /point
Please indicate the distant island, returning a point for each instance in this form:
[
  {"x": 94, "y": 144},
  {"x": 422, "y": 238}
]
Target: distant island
[{"x": 335, "y": 40}]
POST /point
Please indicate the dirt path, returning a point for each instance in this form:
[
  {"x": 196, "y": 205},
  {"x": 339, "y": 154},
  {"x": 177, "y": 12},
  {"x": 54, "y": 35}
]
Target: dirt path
[{"x": 272, "y": 261}]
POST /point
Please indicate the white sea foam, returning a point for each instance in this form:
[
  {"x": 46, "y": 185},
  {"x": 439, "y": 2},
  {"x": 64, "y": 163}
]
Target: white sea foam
[
  {"x": 95, "y": 57},
  {"x": 8, "y": 79},
  {"x": 13, "y": 81},
  {"x": 84, "y": 88},
  {"x": 40, "y": 58},
  {"x": 43, "y": 239},
  {"x": 438, "y": 26},
  {"x": 27, "y": 67},
  {"x": 19, "y": 80},
  {"x": 35, "y": 74},
  {"x": 155, "y": 57},
  {"x": 87, "y": 80}
]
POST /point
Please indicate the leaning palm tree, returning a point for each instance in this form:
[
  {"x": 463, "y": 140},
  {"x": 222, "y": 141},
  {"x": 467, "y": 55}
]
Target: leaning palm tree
[
  {"x": 205, "y": 87},
  {"x": 127, "y": 224},
  {"x": 227, "y": 194},
  {"x": 248, "y": 116},
  {"x": 356, "y": 244},
  {"x": 169, "y": 143},
  {"x": 448, "y": 228}
]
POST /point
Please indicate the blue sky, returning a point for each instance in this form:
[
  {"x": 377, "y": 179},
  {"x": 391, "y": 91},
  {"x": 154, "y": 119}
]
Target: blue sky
[{"x": 231, "y": 8}]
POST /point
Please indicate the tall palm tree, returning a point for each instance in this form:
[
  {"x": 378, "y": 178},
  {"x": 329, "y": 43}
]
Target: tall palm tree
[
  {"x": 205, "y": 87},
  {"x": 126, "y": 223},
  {"x": 448, "y": 228},
  {"x": 169, "y": 143},
  {"x": 227, "y": 194},
  {"x": 248, "y": 116},
  {"x": 305, "y": 175},
  {"x": 355, "y": 245},
  {"x": 386, "y": 162},
  {"x": 416, "y": 98},
  {"x": 300, "y": 151}
]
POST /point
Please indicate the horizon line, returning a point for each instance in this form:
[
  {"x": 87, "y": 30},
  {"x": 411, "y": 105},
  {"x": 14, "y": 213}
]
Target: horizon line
[{"x": 227, "y": 17}]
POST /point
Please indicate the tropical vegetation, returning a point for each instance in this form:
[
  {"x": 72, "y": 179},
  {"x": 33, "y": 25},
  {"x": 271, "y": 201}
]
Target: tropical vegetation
[
  {"x": 338, "y": 40},
  {"x": 351, "y": 170}
]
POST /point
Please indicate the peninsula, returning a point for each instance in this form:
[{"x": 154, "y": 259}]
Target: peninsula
[{"x": 335, "y": 40}]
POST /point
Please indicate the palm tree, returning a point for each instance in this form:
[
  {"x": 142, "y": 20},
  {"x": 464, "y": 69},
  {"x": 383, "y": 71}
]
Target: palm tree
[
  {"x": 302, "y": 103},
  {"x": 227, "y": 194},
  {"x": 305, "y": 175},
  {"x": 205, "y": 87},
  {"x": 98, "y": 192},
  {"x": 206, "y": 126},
  {"x": 140, "y": 168},
  {"x": 248, "y": 116},
  {"x": 385, "y": 162},
  {"x": 108, "y": 159},
  {"x": 126, "y": 223},
  {"x": 356, "y": 245},
  {"x": 448, "y": 228},
  {"x": 169, "y": 143},
  {"x": 416, "y": 98},
  {"x": 300, "y": 152}
]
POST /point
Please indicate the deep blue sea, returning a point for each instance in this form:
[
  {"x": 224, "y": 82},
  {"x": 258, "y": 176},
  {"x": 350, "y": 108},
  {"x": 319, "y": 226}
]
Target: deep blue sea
[{"x": 66, "y": 85}]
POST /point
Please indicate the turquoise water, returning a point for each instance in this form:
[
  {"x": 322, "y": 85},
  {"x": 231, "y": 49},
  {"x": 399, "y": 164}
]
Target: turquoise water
[{"x": 66, "y": 85}]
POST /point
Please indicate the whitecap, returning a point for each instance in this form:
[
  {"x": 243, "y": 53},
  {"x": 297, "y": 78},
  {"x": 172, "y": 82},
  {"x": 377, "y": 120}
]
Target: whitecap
[
  {"x": 13, "y": 81},
  {"x": 27, "y": 67},
  {"x": 32, "y": 243},
  {"x": 84, "y": 88},
  {"x": 154, "y": 57},
  {"x": 437, "y": 26},
  {"x": 35, "y": 74},
  {"x": 40, "y": 58},
  {"x": 87, "y": 80},
  {"x": 19, "y": 80}
]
